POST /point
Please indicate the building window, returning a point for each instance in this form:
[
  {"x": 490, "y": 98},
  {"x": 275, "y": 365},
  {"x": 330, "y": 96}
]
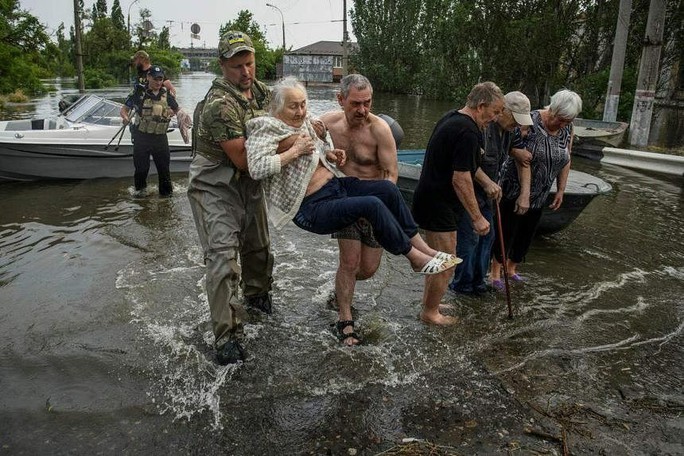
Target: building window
[{"x": 337, "y": 61}]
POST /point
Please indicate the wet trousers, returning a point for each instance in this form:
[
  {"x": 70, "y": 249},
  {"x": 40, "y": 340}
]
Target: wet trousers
[
  {"x": 157, "y": 146},
  {"x": 342, "y": 201},
  {"x": 230, "y": 216}
]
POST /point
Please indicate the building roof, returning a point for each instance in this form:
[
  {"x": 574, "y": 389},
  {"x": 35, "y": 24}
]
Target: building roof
[{"x": 324, "y": 48}]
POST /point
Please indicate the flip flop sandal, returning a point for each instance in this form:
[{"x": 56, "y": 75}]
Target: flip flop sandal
[
  {"x": 448, "y": 257},
  {"x": 436, "y": 265},
  {"x": 341, "y": 335}
]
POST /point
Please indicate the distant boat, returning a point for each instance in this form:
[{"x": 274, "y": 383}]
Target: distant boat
[
  {"x": 590, "y": 132},
  {"x": 77, "y": 144},
  {"x": 580, "y": 190}
]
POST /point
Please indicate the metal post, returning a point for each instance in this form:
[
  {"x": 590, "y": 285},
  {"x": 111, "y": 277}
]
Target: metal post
[
  {"x": 640, "y": 125},
  {"x": 282, "y": 19},
  {"x": 128, "y": 25},
  {"x": 345, "y": 42},
  {"x": 79, "y": 51},
  {"x": 617, "y": 64}
]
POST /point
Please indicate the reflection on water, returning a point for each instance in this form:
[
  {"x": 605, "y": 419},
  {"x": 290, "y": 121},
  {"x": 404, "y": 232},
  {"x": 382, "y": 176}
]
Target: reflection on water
[{"x": 105, "y": 341}]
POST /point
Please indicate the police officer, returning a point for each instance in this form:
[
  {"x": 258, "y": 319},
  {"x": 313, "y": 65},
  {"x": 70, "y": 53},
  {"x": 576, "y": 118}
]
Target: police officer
[
  {"x": 227, "y": 204},
  {"x": 153, "y": 108}
]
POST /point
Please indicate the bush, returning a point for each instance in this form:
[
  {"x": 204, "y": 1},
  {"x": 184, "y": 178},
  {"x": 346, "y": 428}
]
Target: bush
[
  {"x": 98, "y": 79},
  {"x": 18, "y": 96}
]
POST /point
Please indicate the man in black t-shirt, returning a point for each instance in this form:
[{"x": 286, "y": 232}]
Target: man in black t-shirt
[{"x": 445, "y": 191}]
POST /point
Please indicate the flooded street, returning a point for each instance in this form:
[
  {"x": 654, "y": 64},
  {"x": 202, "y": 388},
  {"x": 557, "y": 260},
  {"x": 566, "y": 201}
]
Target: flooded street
[{"x": 105, "y": 346}]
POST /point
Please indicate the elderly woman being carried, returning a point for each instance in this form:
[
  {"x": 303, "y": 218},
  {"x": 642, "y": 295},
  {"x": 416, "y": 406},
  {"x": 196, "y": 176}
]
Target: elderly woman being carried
[{"x": 302, "y": 183}]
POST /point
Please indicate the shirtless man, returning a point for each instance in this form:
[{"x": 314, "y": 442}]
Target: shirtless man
[{"x": 371, "y": 154}]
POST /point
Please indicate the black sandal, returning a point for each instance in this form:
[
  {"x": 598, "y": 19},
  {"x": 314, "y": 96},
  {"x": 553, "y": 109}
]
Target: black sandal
[{"x": 341, "y": 335}]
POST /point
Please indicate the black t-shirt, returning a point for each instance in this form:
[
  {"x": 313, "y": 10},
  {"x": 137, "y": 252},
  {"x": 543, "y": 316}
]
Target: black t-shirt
[{"x": 455, "y": 145}]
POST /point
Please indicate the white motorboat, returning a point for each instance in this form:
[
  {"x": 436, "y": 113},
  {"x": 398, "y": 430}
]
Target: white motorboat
[{"x": 80, "y": 143}]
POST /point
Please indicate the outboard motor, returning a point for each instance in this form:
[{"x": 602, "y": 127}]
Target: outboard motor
[{"x": 397, "y": 131}]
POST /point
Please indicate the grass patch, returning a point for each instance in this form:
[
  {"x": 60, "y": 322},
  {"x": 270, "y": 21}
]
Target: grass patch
[{"x": 18, "y": 96}]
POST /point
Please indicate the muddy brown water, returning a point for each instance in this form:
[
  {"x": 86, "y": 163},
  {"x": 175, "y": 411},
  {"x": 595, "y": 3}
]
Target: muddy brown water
[{"x": 105, "y": 349}]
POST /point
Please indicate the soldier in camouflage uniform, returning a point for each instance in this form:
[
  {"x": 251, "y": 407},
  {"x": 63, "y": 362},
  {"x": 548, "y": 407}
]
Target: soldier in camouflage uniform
[{"x": 227, "y": 204}]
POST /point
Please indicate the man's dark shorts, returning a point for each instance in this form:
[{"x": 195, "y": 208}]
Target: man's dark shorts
[
  {"x": 362, "y": 231},
  {"x": 433, "y": 214}
]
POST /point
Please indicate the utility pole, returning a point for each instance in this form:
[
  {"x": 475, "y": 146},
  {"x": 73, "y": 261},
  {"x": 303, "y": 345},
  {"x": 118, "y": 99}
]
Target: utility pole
[
  {"x": 640, "y": 125},
  {"x": 79, "y": 52},
  {"x": 282, "y": 19},
  {"x": 617, "y": 64},
  {"x": 345, "y": 42},
  {"x": 128, "y": 26}
]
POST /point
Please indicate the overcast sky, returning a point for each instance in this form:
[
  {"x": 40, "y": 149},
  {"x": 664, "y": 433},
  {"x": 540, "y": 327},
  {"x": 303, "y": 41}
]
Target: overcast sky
[{"x": 306, "y": 21}]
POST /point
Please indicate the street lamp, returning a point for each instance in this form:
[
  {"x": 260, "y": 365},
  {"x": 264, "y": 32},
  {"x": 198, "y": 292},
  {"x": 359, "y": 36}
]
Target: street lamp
[
  {"x": 283, "y": 21},
  {"x": 129, "y": 16}
]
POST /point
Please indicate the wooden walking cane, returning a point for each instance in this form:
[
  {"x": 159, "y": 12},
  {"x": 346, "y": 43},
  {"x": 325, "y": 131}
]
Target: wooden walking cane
[{"x": 505, "y": 260}]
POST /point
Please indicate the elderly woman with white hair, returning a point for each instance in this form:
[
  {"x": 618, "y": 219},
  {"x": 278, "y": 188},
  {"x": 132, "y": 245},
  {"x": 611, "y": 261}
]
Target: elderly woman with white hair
[
  {"x": 526, "y": 186},
  {"x": 302, "y": 183}
]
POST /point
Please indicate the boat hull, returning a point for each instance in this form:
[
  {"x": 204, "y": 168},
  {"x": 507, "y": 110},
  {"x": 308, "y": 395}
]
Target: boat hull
[
  {"x": 83, "y": 142},
  {"x": 590, "y": 132},
  {"x": 29, "y": 162},
  {"x": 580, "y": 190}
]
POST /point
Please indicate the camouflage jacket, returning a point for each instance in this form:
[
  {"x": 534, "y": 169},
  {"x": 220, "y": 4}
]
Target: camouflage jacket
[{"x": 224, "y": 114}]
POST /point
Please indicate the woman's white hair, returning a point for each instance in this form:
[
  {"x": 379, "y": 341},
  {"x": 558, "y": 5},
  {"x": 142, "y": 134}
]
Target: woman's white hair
[
  {"x": 565, "y": 104},
  {"x": 278, "y": 93}
]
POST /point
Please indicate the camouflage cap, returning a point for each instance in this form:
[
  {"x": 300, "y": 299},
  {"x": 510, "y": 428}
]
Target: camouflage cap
[{"x": 233, "y": 42}]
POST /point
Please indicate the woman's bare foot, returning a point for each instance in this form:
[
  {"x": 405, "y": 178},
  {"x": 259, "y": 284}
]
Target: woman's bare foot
[{"x": 436, "y": 318}]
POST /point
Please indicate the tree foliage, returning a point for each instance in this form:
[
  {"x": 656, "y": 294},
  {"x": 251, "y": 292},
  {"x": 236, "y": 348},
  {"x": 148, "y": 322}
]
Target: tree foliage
[
  {"x": 24, "y": 45},
  {"x": 441, "y": 48},
  {"x": 265, "y": 58},
  {"x": 117, "y": 16}
]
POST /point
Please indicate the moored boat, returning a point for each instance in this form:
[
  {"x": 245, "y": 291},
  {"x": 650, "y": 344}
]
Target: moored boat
[
  {"x": 589, "y": 132},
  {"x": 580, "y": 190},
  {"x": 80, "y": 143}
]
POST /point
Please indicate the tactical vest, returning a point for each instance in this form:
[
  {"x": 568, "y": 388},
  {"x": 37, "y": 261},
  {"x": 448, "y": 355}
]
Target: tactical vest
[
  {"x": 154, "y": 116},
  {"x": 203, "y": 144}
]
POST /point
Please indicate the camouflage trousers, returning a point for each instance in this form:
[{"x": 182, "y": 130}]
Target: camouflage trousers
[{"x": 230, "y": 216}]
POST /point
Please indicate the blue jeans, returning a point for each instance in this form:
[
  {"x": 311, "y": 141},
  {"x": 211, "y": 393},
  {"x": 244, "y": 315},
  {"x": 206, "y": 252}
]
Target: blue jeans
[
  {"x": 470, "y": 276},
  {"x": 342, "y": 201}
]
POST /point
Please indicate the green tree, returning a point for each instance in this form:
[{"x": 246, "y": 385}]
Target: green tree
[
  {"x": 163, "y": 42},
  {"x": 106, "y": 48},
  {"x": 63, "y": 59},
  {"x": 440, "y": 48},
  {"x": 117, "y": 16},
  {"x": 101, "y": 8},
  {"x": 143, "y": 34},
  {"x": 22, "y": 39},
  {"x": 265, "y": 58}
]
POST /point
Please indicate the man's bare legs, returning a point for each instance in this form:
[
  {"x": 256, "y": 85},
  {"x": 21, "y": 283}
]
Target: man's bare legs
[
  {"x": 436, "y": 285},
  {"x": 357, "y": 262}
]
